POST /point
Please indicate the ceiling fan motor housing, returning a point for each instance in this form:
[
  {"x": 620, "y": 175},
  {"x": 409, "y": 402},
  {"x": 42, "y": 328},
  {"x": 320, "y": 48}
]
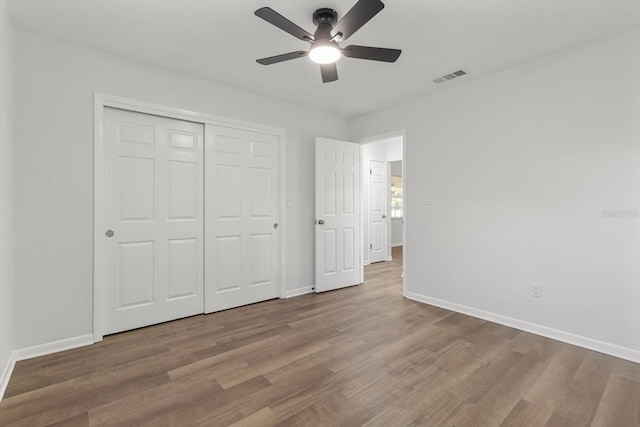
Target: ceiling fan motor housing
[
  {"x": 325, "y": 16},
  {"x": 324, "y": 19}
]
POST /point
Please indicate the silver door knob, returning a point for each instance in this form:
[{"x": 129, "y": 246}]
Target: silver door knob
[
  {"x": 321, "y": 221},
  {"x": 109, "y": 233},
  {"x": 275, "y": 225}
]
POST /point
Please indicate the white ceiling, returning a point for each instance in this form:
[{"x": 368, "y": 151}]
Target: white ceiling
[{"x": 220, "y": 40}]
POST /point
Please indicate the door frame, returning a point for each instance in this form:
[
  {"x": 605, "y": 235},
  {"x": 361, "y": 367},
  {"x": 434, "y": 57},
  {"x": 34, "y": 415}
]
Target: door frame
[
  {"x": 402, "y": 133},
  {"x": 100, "y": 102}
]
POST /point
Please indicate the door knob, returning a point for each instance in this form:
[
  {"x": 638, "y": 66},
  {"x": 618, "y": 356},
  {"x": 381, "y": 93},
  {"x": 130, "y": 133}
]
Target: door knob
[
  {"x": 321, "y": 221},
  {"x": 109, "y": 233},
  {"x": 384, "y": 216},
  {"x": 275, "y": 225}
]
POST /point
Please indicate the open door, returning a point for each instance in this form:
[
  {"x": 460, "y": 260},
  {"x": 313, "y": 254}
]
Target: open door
[
  {"x": 378, "y": 229},
  {"x": 338, "y": 260}
]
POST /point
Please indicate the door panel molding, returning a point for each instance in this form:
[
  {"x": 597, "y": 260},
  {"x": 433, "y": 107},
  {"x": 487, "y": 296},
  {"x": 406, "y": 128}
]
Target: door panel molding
[
  {"x": 338, "y": 228},
  {"x": 179, "y": 141},
  {"x": 376, "y": 210},
  {"x": 154, "y": 199},
  {"x": 242, "y": 229}
]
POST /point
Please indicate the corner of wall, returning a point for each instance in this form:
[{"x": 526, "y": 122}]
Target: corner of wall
[
  {"x": 7, "y": 196},
  {"x": 5, "y": 376},
  {"x": 604, "y": 347}
]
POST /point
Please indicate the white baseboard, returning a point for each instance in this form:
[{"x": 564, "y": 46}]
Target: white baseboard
[
  {"x": 40, "y": 350},
  {"x": 567, "y": 337},
  {"x": 53, "y": 347},
  {"x": 299, "y": 291},
  {"x": 6, "y": 374}
]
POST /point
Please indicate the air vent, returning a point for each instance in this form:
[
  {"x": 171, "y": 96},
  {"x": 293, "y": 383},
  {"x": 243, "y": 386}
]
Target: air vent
[{"x": 450, "y": 76}]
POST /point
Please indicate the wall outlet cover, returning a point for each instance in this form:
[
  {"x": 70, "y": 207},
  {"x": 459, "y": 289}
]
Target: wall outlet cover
[{"x": 536, "y": 290}]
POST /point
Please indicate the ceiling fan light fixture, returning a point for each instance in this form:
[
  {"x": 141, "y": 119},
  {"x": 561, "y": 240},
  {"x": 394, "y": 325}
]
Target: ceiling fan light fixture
[
  {"x": 329, "y": 31},
  {"x": 324, "y": 54}
]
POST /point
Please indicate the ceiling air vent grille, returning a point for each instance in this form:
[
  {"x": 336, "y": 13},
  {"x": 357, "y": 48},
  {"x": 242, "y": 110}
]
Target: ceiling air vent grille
[{"x": 450, "y": 76}]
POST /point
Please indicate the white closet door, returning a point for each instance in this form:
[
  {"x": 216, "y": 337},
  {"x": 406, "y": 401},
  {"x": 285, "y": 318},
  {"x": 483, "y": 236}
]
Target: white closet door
[
  {"x": 338, "y": 262},
  {"x": 242, "y": 185},
  {"x": 377, "y": 209},
  {"x": 154, "y": 220}
]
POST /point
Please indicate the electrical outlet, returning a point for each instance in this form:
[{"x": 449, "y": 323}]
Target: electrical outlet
[{"x": 536, "y": 290}]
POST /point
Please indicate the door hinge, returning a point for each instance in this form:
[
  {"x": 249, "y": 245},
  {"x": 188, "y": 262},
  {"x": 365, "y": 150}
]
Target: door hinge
[
  {"x": 370, "y": 245},
  {"x": 370, "y": 171}
]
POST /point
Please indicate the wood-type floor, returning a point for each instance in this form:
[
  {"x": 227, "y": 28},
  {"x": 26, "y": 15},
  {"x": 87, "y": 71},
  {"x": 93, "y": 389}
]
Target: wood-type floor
[{"x": 357, "y": 356}]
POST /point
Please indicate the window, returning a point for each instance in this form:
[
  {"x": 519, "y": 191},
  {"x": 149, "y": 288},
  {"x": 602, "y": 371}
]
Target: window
[{"x": 396, "y": 197}]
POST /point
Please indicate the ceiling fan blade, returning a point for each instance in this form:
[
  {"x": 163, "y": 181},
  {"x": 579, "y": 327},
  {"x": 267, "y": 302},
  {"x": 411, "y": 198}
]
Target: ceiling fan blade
[
  {"x": 273, "y": 17},
  {"x": 359, "y": 15},
  {"x": 284, "y": 57},
  {"x": 329, "y": 72},
  {"x": 372, "y": 53}
]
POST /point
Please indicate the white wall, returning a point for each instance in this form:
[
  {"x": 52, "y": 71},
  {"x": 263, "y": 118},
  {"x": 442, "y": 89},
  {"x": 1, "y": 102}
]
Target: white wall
[
  {"x": 396, "y": 223},
  {"x": 54, "y": 167},
  {"x": 6, "y": 189},
  {"x": 394, "y": 149},
  {"x": 519, "y": 167}
]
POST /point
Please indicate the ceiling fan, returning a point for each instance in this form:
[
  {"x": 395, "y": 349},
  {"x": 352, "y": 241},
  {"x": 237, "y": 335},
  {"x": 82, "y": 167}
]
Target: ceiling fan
[{"x": 324, "y": 42}]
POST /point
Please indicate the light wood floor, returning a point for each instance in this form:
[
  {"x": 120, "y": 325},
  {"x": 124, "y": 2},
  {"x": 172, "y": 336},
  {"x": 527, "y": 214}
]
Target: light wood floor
[{"x": 358, "y": 356}]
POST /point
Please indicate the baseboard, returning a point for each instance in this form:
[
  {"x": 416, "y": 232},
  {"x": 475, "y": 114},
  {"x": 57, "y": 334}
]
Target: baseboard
[
  {"x": 53, "y": 347},
  {"x": 298, "y": 291},
  {"x": 6, "y": 373},
  {"x": 567, "y": 337},
  {"x": 389, "y": 258}
]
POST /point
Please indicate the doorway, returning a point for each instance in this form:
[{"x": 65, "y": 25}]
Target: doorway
[
  {"x": 346, "y": 203},
  {"x": 382, "y": 198}
]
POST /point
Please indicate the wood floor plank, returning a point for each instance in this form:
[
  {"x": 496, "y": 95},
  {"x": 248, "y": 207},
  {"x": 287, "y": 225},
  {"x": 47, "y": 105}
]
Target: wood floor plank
[
  {"x": 162, "y": 400},
  {"x": 620, "y": 403},
  {"x": 496, "y": 404},
  {"x": 230, "y": 379},
  {"x": 527, "y": 414},
  {"x": 81, "y": 420},
  {"x": 357, "y": 356},
  {"x": 263, "y": 417}
]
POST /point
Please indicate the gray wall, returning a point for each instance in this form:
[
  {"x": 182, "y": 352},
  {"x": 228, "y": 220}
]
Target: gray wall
[
  {"x": 7, "y": 195},
  {"x": 533, "y": 175}
]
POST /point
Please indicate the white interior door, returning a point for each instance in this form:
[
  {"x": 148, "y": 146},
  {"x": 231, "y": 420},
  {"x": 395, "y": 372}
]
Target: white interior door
[
  {"x": 154, "y": 219},
  {"x": 337, "y": 214},
  {"x": 377, "y": 210},
  {"x": 242, "y": 213}
]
